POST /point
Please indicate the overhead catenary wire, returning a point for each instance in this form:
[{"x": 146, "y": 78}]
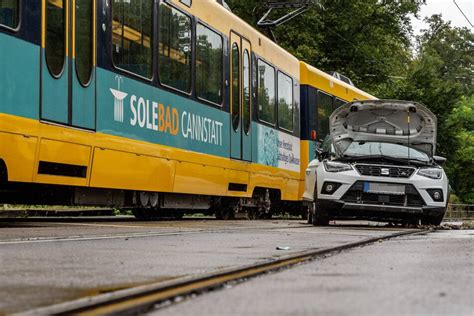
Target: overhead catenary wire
[
  {"x": 371, "y": 58},
  {"x": 460, "y": 10},
  {"x": 301, "y": 7}
]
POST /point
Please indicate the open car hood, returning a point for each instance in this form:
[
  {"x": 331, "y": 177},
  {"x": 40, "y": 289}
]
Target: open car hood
[{"x": 390, "y": 121}]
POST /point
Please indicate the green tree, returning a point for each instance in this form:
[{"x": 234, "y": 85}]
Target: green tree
[
  {"x": 441, "y": 76},
  {"x": 460, "y": 166},
  {"x": 367, "y": 40}
]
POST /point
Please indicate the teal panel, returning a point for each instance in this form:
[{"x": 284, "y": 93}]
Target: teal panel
[
  {"x": 131, "y": 109},
  {"x": 19, "y": 77},
  {"x": 235, "y": 142},
  {"x": 247, "y": 145},
  {"x": 276, "y": 148},
  {"x": 311, "y": 150},
  {"x": 265, "y": 145},
  {"x": 254, "y": 126},
  {"x": 83, "y": 102},
  {"x": 54, "y": 106}
]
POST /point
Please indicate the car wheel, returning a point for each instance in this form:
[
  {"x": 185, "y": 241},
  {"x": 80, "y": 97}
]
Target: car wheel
[
  {"x": 304, "y": 213},
  {"x": 432, "y": 220},
  {"x": 309, "y": 216},
  {"x": 320, "y": 217}
]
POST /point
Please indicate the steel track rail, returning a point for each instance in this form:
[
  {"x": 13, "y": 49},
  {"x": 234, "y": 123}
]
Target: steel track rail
[
  {"x": 140, "y": 299},
  {"x": 92, "y": 237}
]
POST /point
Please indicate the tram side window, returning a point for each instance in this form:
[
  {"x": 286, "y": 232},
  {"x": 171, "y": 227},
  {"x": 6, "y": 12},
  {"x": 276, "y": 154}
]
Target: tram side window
[
  {"x": 246, "y": 83},
  {"x": 285, "y": 102},
  {"x": 131, "y": 36},
  {"x": 55, "y": 52},
  {"x": 324, "y": 111},
  {"x": 266, "y": 92},
  {"x": 84, "y": 35},
  {"x": 235, "y": 79},
  {"x": 186, "y": 2},
  {"x": 175, "y": 48},
  {"x": 209, "y": 56},
  {"x": 338, "y": 102},
  {"x": 10, "y": 13}
]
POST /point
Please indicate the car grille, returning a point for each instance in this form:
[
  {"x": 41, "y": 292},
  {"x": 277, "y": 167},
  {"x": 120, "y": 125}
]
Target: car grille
[
  {"x": 384, "y": 171},
  {"x": 356, "y": 194}
]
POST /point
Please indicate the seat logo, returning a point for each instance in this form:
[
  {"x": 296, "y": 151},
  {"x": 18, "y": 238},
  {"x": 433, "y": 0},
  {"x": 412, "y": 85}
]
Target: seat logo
[
  {"x": 385, "y": 171},
  {"x": 119, "y": 96}
]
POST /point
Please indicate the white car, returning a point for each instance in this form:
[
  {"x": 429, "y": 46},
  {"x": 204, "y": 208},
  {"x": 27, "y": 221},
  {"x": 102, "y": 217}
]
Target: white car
[{"x": 378, "y": 163}]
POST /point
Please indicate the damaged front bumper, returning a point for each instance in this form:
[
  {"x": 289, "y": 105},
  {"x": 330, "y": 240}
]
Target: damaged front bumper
[{"x": 347, "y": 210}]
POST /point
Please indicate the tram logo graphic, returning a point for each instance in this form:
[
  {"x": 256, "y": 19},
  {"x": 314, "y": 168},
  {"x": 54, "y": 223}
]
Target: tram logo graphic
[{"x": 119, "y": 96}]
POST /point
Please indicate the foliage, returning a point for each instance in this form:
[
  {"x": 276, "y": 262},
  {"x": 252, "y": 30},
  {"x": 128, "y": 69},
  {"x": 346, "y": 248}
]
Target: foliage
[
  {"x": 461, "y": 164},
  {"x": 368, "y": 41},
  {"x": 441, "y": 76}
]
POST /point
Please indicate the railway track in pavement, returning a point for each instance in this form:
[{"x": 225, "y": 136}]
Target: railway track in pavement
[
  {"x": 157, "y": 295},
  {"x": 152, "y": 230}
]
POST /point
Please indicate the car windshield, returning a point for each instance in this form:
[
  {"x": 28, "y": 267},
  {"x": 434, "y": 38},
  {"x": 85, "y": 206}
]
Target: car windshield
[{"x": 359, "y": 149}]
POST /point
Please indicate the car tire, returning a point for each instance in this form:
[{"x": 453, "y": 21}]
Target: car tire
[
  {"x": 309, "y": 211},
  {"x": 432, "y": 219},
  {"x": 319, "y": 216},
  {"x": 304, "y": 213}
]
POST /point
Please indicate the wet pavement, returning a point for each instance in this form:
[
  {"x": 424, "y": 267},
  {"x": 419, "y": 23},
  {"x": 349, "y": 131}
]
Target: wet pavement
[
  {"x": 429, "y": 274},
  {"x": 46, "y": 261}
]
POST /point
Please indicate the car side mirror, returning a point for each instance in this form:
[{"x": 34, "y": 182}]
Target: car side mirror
[
  {"x": 439, "y": 160},
  {"x": 318, "y": 152}
]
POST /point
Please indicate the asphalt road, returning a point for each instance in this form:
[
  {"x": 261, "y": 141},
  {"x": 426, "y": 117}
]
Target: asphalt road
[
  {"x": 43, "y": 262},
  {"x": 428, "y": 274}
]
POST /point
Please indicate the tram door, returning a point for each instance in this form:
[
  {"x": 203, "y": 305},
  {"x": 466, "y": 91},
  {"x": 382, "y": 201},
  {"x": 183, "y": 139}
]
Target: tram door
[
  {"x": 240, "y": 105},
  {"x": 68, "y": 62}
]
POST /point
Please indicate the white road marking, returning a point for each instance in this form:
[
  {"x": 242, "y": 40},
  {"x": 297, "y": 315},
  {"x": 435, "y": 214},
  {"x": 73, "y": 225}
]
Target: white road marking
[
  {"x": 96, "y": 237},
  {"x": 101, "y": 225}
]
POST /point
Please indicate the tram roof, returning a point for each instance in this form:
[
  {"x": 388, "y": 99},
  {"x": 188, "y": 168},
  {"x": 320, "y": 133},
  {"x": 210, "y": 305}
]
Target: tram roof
[
  {"x": 319, "y": 79},
  {"x": 218, "y": 17}
]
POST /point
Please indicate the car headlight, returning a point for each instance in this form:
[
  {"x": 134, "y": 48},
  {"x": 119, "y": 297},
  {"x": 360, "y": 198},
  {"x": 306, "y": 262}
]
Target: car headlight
[
  {"x": 432, "y": 173},
  {"x": 332, "y": 166}
]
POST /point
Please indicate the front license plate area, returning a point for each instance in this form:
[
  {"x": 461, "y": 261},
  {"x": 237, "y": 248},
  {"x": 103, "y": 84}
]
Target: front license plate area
[{"x": 384, "y": 188}]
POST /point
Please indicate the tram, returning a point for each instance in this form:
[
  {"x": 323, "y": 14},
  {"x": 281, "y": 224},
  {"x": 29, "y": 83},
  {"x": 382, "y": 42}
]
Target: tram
[{"x": 165, "y": 107}]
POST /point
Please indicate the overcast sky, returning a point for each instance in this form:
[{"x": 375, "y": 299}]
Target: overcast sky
[{"x": 449, "y": 12}]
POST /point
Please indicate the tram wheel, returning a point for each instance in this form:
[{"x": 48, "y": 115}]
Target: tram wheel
[
  {"x": 142, "y": 215},
  {"x": 227, "y": 214},
  {"x": 178, "y": 215},
  {"x": 252, "y": 214}
]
